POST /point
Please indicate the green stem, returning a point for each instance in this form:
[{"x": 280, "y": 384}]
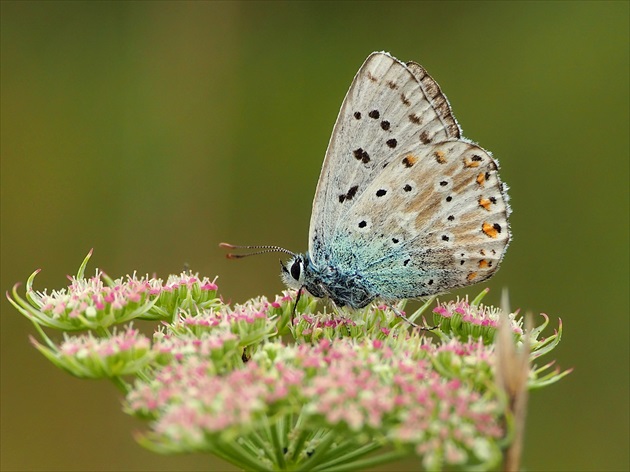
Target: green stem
[
  {"x": 368, "y": 463},
  {"x": 276, "y": 437},
  {"x": 298, "y": 444},
  {"x": 415, "y": 315},
  {"x": 103, "y": 332},
  {"x": 42, "y": 333},
  {"x": 123, "y": 386},
  {"x": 238, "y": 455},
  {"x": 351, "y": 456},
  {"x": 338, "y": 451},
  {"x": 232, "y": 459},
  {"x": 321, "y": 451},
  {"x": 258, "y": 442}
]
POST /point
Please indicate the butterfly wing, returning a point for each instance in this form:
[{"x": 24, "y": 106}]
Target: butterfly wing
[
  {"x": 390, "y": 108},
  {"x": 435, "y": 218}
]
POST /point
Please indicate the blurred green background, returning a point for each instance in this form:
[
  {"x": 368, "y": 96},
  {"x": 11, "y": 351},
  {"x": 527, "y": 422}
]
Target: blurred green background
[{"x": 151, "y": 131}]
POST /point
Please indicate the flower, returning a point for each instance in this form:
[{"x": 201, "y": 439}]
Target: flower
[
  {"x": 359, "y": 390},
  {"x": 185, "y": 291},
  {"x": 285, "y": 384},
  {"x": 86, "y": 356},
  {"x": 463, "y": 319},
  {"x": 99, "y": 302}
]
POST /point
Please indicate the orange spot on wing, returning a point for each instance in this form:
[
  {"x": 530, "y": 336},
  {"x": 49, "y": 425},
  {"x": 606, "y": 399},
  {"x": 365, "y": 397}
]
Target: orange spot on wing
[
  {"x": 471, "y": 276},
  {"x": 481, "y": 178},
  {"x": 490, "y": 230},
  {"x": 483, "y": 264},
  {"x": 485, "y": 203},
  {"x": 470, "y": 163},
  {"x": 409, "y": 160},
  {"x": 440, "y": 157}
]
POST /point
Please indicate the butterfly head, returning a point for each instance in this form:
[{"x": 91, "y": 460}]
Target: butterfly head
[{"x": 294, "y": 270}]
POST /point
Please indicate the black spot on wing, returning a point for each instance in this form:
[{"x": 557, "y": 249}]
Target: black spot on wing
[
  {"x": 352, "y": 192},
  {"x": 361, "y": 155},
  {"x": 349, "y": 195}
]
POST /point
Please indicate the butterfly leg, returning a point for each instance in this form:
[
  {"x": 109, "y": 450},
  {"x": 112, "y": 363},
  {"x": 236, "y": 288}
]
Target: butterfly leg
[
  {"x": 398, "y": 313},
  {"x": 297, "y": 299}
]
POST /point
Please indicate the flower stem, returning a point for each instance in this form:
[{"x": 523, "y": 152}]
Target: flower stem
[
  {"x": 276, "y": 438},
  {"x": 257, "y": 443},
  {"x": 351, "y": 456},
  {"x": 367, "y": 463},
  {"x": 321, "y": 450},
  {"x": 298, "y": 444},
  {"x": 239, "y": 456},
  {"x": 120, "y": 384}
]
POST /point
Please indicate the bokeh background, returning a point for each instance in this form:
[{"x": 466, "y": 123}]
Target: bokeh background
[{"x": 151, "y": 131}]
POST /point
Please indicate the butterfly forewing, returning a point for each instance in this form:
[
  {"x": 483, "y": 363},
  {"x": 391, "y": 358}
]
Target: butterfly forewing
[
  {"x": 390, "y": 108},
  {"x": 438, "y": 100}
]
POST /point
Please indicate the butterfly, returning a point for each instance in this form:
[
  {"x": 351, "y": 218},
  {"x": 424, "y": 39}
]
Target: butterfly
[{"x": 405, "y": 207}]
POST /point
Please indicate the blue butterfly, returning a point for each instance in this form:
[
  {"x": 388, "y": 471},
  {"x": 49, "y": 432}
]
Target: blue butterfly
[{"x": 405, "y": 207}]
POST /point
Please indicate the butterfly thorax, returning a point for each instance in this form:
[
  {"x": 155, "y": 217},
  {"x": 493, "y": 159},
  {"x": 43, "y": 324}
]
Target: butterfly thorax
[{"x": 344, "y": 288}]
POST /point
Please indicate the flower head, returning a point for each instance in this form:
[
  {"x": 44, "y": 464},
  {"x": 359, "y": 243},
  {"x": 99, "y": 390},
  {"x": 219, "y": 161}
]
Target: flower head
[
  {"x": 361, "y": 389},
  {"x": 126, "y": 352},
  {"x": 230, "y": 380},
  {"x": 99, "y": 302},
  {"x": 463, "y": 319}
]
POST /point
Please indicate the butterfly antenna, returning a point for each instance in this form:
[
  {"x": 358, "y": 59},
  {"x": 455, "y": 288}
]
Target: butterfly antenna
[{"x": 263, "y": 250}]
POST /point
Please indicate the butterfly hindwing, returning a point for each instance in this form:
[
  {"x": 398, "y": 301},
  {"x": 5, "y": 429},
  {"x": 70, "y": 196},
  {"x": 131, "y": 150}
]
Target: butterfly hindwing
[{"x": 435, "y": 218}]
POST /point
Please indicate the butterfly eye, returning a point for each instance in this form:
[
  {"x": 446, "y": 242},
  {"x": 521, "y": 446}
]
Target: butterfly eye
[{"x": 296, "y": 269}]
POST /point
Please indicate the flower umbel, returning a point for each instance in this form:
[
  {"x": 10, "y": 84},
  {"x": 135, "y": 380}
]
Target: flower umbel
[
  {"x": 464, "y": 320},
  {"x": 270, "y": 386},
  {"x": 99, "y": 302},
  {"x": 87, "y": 356}
]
